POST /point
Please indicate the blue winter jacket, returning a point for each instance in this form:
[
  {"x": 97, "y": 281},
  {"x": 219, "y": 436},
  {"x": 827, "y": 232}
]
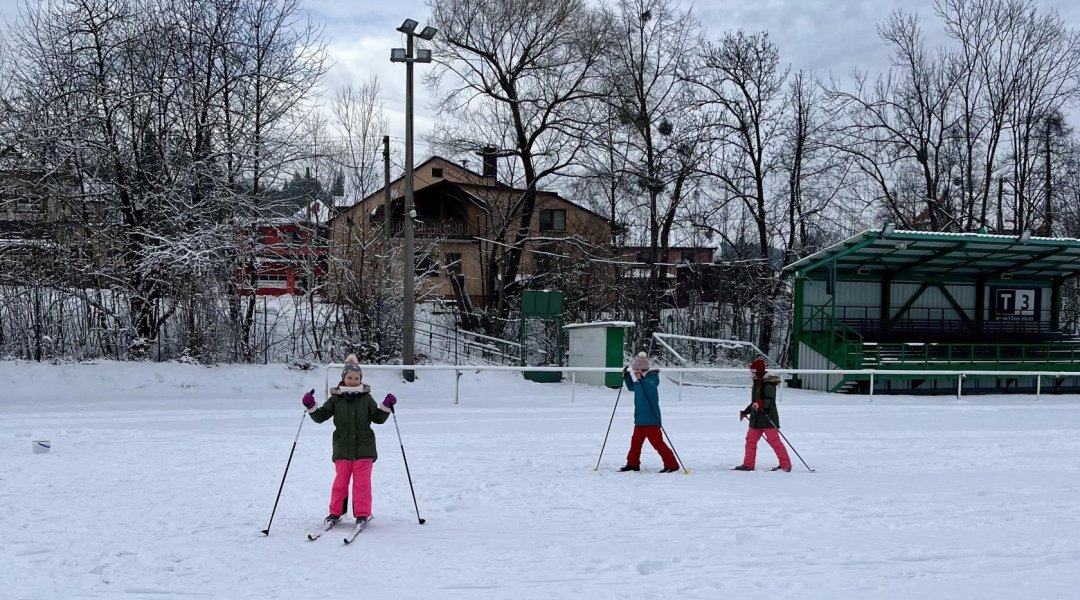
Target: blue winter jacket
[{"x": 646, "y": 397}]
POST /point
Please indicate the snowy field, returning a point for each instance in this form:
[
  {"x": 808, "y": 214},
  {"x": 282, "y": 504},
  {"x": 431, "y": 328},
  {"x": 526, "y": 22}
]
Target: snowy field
[{"x": 161, "y": 477}]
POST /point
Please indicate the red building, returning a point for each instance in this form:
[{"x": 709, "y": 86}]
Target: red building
[{"x": 290, "y": 258}]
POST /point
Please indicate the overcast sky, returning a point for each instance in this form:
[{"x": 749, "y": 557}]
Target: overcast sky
[{"x": 827, "y": 36}]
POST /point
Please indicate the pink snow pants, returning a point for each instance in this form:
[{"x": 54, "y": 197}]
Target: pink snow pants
[
  {"x": 360, "y": 472},
  {"x": 773, "y": 437}
]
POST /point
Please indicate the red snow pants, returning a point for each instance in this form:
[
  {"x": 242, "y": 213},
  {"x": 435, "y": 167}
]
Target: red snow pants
[{"x": 655, "y": 435}]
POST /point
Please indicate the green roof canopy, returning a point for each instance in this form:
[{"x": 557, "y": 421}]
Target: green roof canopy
[{"x": 920, "y": 255}]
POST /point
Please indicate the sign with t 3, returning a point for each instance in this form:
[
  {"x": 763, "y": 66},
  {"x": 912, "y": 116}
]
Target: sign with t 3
[{"x": 1015, "y": 304}]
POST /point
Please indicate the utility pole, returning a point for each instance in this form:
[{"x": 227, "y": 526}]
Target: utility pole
[{"x": 386, "y": 196}]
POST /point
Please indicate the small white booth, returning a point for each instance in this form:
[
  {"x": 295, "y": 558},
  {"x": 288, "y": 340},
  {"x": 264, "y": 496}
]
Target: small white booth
[{"x": 599, "y": 344}]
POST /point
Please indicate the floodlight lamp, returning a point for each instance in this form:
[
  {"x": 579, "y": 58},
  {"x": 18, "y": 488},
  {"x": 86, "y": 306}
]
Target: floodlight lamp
[
  {"x": 428, "y": 33},
  {"x": 1006, "y": 275},
  {"x": 397, "y": 55},
  {"x": 408, "y": 27},
  {"x": 888, "y": 229},
  {"x": 1024, "y": 237},
  {"x": 864, "y": 270},
  {"x": 901, "y": 245},
  {"x": 423, "y": 55}
]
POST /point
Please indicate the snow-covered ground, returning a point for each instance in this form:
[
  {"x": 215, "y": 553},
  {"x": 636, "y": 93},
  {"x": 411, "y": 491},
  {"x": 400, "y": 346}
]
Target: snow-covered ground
[{"x": 161, "y": 477}]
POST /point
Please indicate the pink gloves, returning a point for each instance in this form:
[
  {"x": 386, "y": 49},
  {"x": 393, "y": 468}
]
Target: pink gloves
[
  {"x": 309, "y": 401},
  {"x": 389, "y": 401}
]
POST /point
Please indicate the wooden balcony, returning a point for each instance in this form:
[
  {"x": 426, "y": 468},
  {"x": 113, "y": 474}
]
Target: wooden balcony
[{"x": 444, "y": 229}]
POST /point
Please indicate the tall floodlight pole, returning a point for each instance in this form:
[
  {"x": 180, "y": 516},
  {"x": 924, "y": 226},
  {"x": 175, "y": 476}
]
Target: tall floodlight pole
[{"x": 408, "y": 322}]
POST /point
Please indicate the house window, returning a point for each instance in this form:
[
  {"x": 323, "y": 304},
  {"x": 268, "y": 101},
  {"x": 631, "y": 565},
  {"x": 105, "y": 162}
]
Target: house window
[
  {"x": 553, "y": 220},
  {"x": 29, "y": 206},
  {"x": 453, "y": 263},
  {"x": 436, "y": 172},
  {"x": 278, "y": 282}
]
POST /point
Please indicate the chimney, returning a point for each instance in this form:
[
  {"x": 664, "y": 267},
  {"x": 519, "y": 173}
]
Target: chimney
[{"x": 491, "y": 167}]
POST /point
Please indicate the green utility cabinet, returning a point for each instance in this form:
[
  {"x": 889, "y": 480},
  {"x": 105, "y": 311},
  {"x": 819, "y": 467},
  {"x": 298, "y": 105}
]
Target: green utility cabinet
[
  {"x": 541, "y": 335},
  {"x": 597, "y": 344}
]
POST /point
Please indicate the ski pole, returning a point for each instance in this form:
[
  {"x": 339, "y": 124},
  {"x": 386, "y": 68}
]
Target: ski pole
[
  {"x": 283, "y": 475},
  {"x": 608, "y": 432},
  {"x": 788, "y": 443},
  {"x": 664, "y": 431},
  {"x": 407, "y": 474}
]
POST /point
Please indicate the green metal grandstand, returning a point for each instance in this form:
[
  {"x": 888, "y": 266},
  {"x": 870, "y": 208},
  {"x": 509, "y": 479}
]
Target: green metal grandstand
[{"x": 894, "y": 300}]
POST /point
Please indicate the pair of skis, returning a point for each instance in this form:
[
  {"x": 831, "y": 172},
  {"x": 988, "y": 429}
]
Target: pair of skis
[{"x": 348, "y": 537}]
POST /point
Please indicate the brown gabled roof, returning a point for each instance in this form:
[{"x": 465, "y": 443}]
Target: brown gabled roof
[{"x": 479, "y": 184}]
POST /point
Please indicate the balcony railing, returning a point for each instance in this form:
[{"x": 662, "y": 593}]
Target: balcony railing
[
  {"x": 445, "y": 228},
  {"x": 930, "y": 324}
]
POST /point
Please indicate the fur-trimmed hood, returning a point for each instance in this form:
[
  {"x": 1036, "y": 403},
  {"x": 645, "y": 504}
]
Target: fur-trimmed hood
[{"x": 344, "y": 389}]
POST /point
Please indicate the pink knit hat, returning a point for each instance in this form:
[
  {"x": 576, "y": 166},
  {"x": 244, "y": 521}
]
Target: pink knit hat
[{"x": 641, "y": 362}]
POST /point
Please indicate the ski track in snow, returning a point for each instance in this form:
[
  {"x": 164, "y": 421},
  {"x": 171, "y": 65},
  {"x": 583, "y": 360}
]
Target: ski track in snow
[{"x": 161, "y": 477}]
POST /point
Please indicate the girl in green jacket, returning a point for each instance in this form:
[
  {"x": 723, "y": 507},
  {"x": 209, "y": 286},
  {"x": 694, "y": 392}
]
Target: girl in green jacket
[
  {"x": 354, "y": 410},
  {"x": 764, "y": 419}
]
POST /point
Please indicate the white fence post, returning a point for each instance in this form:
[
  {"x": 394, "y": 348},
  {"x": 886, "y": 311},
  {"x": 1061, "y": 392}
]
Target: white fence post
[
  {"x": 573, "y": 385},
  {"x": 457, "y": 391},
  {"x": 871, "y": 386},
  {"x": 1038, "y": 387}
]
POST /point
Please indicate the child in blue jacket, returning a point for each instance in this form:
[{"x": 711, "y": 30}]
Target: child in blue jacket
[{"x": 644, "y": 383}]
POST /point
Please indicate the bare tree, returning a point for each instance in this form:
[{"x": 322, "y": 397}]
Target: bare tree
[
  {"x": 358, "y": 117},
  {"x": 368, "y": 292},
  {"x": 1014, "y": 67},
  {"x": 516, "y": 70},
  {"x": 743, "y": 88},
  {"x": 904, "y": 122},
  {"x": 281, "y": 60},
  {"x": 652, "y": 48},
  {"x": 814, "y": 170},
  {"x": 158, "y": 122}
]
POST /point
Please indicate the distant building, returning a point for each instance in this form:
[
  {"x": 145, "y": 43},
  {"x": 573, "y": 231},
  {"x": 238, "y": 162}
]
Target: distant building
[
  {"x": 35, "y": 220},
  {"x": 682, "y": 265},
  {"x": 291, "y": 254},
  {"x": 456, "y": 209}
]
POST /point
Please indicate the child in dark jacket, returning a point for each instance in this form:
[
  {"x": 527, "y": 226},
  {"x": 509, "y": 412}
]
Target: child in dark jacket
[
  {"x": 354, "y": 410},
  {"x": 645, "y": 383},
  {"x": 764, "y": 419}
]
